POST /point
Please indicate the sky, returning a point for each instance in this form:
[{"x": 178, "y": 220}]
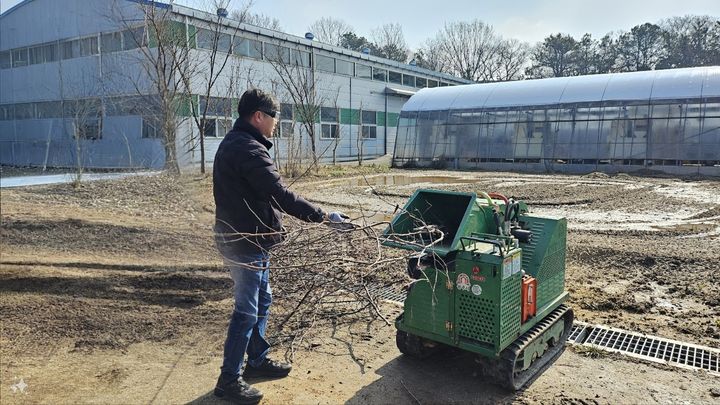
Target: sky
[{"x": 526, "y": 20}]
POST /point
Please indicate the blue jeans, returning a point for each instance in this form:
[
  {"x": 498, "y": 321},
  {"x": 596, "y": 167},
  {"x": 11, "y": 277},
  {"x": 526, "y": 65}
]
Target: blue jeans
[{"x": 246, "y": 332}]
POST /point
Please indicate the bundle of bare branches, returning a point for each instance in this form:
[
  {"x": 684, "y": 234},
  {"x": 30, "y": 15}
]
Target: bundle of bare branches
[{"x": 330, "y": 276}]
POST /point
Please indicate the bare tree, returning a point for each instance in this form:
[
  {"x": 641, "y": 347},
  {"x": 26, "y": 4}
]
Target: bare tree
[
  {"x": 338, "y": 122},
  {"x": 261, "y": 20},
  {"x": 429, "y": 56},
  {"x": 510, "y": 60},
  {"x": 360, "y": 140},
  {"x": 206, "y": 68},
  {"x": 330, "y": 30},
  {"x": 299, "y": 81},
  {"x": 291, "y": 162},
  {"x": 465, "y": 49},
  {"x": 85, "y": 113},
  {"x": 390, "y": 42},
  {"x": 162, "y": 55}
]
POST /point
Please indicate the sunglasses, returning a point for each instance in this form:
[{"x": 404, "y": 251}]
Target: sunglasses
[{"x": 271, "y": 113}]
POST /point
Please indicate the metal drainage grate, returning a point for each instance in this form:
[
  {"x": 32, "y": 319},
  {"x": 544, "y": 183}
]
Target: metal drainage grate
[
  {"x": 579, "y": 332},
  {"x": 646, "y": 347},
  {"x": 387, "y": 293}
]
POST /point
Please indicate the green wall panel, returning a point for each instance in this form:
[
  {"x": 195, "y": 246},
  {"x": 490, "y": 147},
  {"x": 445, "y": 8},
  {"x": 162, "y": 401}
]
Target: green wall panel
[
  {"x": 349, "y": 116},
  {"x": 380, "y": 118},
  {"x": 392, "y": 119}
]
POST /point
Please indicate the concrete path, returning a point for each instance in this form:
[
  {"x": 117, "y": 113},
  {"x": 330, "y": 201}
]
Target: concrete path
[{"x": 22, "y": 181}]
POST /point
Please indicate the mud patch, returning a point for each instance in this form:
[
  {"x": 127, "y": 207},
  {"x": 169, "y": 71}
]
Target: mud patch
[
  {"x": 73, "y": 235},
  {"x": 107, "y": 312}
]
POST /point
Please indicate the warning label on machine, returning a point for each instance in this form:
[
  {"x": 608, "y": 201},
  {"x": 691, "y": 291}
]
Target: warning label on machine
[
  {"x": 512, "y": 265},
  {"x": 516, "y": 263},
  {"x": 507, "y": 267}
]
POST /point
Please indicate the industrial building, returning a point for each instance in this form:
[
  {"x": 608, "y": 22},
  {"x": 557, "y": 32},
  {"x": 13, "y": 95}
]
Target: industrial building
[
  {"x": 74, "y": 88},
  {"x": 665, "y": 120}
]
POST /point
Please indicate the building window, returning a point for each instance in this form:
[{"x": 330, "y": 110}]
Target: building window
[
  {"x": 209, "y": 129},
  {"x": 369, "y": 132},
  {"x": 287, "y": 125},
  {"x": 6, "y": 112},
  {"x": 36, "y": 55},
  {"x": 277, "y": 53},
  {"x": 420, "y": 82},
  {"x": 369, "y": 122},
  {"x": 432, "y": 83},
  {"x": 43, "y": 54},
  {"x": 330, "y": 116},
  {"x": 408, "y": 80},
  {"x": 213, "y": 40},
  {"x": 324, "y": 63},
  {"x": 151, "y": 129},
  {"x": 5, "y": 60},
  {"x": 254, "y": 49},
  {"x": 204, "y": 38},
  {"x": 329, "y": 131},
  {"x": 301, "y": 58},
  {"x": 133, "y": 38},
  {"x": 343, "y": 67},
  {"x": 89, "y": 129},
  {"x": 218, "y": 107},
  {"x": 111, "y": 42},
  {"x": 395, "y": 77},
  {"x": 20, "y": 57},
  {"x": 70, "y": 49},
  {"x": 49, "y": 109},
  {"x": 224, "y": 42},
  {"x": 286, "y": 112},
  {"x": 286, "y": 129},
  {"x": 363, "y": 71},
  {"x": 380, "y": 74},
  {"x": 223, "y": 127},
  {"x": 50, "y": 52},
  {"x": 369, "y": 117},
  {"x": 24, "y": 111},
  {"x": 89, "y": 46},
  {"x": 247, "y": 47}
]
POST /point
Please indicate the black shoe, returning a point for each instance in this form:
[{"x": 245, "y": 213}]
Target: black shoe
[
  {"x": 269, "y": 368},
  {"x": 237, "y": 390}
]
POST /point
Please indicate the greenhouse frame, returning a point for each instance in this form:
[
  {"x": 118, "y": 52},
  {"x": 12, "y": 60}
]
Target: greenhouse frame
[{"x": 665, "y": 120}]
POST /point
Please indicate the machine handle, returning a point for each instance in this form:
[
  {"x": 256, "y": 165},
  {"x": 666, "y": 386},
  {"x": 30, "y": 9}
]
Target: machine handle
[{"x": 492, "y": 242}]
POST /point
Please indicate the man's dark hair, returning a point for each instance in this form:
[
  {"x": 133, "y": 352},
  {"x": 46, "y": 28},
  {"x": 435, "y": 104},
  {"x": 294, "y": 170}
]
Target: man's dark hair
[{"x": 255, "y": 99}]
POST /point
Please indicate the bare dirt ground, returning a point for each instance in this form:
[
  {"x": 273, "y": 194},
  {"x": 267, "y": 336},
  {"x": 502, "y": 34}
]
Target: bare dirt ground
[{"x": 113, "y": 293}]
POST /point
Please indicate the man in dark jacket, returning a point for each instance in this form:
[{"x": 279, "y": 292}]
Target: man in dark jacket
[{"x": 249, "y": 201}]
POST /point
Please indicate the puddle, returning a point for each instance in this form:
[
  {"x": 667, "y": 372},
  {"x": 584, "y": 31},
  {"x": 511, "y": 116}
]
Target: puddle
[{"x": 399, "y": 180}]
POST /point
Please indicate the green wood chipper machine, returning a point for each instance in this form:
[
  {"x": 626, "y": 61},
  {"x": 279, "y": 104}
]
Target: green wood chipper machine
[{"x": 489, "y": 278}]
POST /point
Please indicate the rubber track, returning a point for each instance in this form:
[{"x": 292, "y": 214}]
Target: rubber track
[{"x": 516, "y": 380}]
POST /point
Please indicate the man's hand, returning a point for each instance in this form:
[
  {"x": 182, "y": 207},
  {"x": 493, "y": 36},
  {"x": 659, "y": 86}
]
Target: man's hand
[
  {"x": 337, "y": 217},
  {"x": 339, "y": 221}
]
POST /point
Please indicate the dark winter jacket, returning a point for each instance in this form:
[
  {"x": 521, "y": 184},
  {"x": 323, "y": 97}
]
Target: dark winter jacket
[{"x": 249, "y": 195}]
